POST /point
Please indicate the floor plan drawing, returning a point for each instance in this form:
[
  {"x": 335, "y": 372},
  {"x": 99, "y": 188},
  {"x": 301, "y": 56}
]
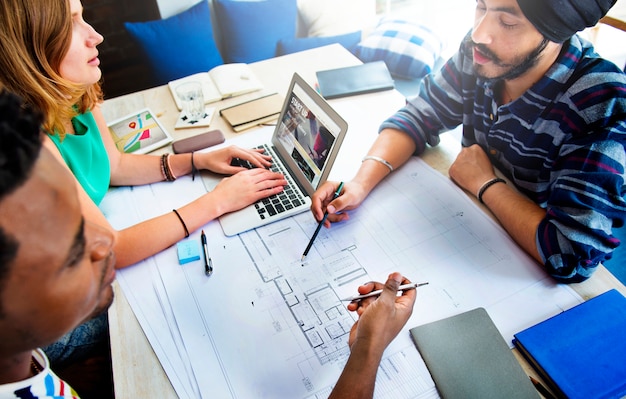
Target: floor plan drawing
[{"x": 268, "y": 325}]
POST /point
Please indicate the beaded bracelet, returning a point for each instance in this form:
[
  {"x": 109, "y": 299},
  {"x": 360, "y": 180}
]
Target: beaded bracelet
[
  {"x": 378, "y": 159},
  {"x": 182, "y": 221},
  {"x": 166, "y": 169},
  {"x": 163, "y": 166},
  {"x": 486, "y": 185}
]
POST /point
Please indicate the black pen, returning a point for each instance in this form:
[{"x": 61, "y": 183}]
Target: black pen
[
  {"x": 319, "y": 226},
  {"x": 208, "y": 263}
]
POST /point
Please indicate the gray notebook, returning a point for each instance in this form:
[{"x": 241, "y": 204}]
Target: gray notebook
[
  {"x": 468, "y": 358},
  {"x": 358, "y": 79}
]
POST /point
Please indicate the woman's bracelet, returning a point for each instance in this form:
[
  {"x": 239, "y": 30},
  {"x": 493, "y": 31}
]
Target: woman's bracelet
[
  {"x": 193, "y": 168},
  {"x": 378, "y": 159},
  {"x": 163, "y": 166},
  {"x": 182, "y": 222},
  {"x": 166, "y": 168},
  {"x": 486, "y": 185},
  {"x": 169, "y": 168}
]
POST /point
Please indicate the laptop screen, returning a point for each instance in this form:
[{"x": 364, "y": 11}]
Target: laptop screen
[{"x": 308, "y": 134}]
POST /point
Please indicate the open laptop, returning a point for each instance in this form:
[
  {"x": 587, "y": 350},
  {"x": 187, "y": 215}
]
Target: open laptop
[{"x": 304, "y": 146}]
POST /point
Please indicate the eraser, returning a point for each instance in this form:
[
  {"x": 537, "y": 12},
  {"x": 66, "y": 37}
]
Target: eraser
[{"x": 188, "y": 251}]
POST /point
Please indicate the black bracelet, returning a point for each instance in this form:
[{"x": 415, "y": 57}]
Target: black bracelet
[
  {"x": 486, "y": 185},
  {"x": 193, "y": 168},
  {"x": 183, "y": 222}
]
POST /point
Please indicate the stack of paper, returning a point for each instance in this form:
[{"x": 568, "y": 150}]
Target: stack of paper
[{"x": 266, "y": 324}]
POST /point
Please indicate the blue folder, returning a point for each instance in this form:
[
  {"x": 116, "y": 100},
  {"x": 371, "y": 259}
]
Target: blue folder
[{"x": 581, "y": 353}]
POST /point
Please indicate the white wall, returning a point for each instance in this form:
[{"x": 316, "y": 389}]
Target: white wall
[{"x": 167, "y": 8}]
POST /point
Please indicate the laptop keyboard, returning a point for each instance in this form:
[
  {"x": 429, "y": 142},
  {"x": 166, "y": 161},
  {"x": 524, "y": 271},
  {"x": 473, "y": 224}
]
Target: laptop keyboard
[{"x": 289, "y": 198}]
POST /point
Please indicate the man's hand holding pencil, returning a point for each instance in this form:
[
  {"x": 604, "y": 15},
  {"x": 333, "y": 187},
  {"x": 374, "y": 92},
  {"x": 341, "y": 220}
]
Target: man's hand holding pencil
[
  {"x": 381, "y": 317},
  {"x": 380, "y": 320}
]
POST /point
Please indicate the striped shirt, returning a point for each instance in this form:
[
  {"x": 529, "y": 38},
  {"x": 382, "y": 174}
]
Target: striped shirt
[
  {"x": 44, "y": 385},
  {"x": 562, "y": 144}
]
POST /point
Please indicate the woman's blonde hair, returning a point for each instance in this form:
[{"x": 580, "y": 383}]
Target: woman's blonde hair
[{"x": 35, "y": 36}]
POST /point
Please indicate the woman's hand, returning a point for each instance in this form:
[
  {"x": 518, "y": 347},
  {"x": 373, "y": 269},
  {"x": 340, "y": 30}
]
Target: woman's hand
[
  {"x": 244, "y": 188},
  {"x": 219, "y": 161}
]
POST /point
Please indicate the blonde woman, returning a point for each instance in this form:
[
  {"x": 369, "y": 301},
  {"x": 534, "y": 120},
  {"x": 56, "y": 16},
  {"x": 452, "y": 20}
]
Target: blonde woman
[{"x": 49, "y": 56}]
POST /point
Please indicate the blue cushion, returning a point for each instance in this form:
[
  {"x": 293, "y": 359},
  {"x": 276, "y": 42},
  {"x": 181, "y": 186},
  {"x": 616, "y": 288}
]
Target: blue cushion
[
  {"x": 348, "y": 40},
  {"x": 179, "y": 45},
  {"x": 408, "y": 48},
  {"x": 250, "y": 30}
]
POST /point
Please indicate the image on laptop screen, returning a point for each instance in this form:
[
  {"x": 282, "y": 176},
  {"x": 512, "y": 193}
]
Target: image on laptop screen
[
  {"x": 304, "y": 146},
  {"x": 307, "y": 134}
]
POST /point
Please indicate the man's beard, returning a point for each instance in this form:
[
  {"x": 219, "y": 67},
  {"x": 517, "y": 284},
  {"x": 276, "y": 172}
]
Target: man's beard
[{"x": 512, "y": 70}]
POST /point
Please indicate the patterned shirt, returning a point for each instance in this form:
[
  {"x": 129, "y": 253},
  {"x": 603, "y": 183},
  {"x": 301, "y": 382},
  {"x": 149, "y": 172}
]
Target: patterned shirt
[
  {"x": 44, "y": 385},
  {"x": 562, "y": 144}
]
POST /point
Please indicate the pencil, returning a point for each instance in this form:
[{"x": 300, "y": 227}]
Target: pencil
[
  {"x": 404, "y": 287},
  {"x": 320, "y": 224}
]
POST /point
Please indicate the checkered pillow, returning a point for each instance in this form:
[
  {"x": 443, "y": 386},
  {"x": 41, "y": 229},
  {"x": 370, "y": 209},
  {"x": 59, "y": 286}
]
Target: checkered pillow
[{"x": 408, "y": 48}]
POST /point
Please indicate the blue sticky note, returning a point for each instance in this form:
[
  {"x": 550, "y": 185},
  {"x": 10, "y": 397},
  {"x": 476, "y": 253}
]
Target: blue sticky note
[{"x": 188, "y": 251}]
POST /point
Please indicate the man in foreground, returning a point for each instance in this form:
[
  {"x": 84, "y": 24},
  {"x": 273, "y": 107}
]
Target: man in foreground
[
  {"x": 537, "y": 103},
  {"x": 56, "y": 271}
]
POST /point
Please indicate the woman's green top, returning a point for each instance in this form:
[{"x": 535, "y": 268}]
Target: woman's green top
[{"x": 86, "y": 156}]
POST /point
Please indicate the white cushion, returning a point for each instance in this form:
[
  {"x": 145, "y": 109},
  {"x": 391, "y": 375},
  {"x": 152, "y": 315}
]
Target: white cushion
[
  {"x": 334, "y": 17},
  {"x": 409, "y": 49}
]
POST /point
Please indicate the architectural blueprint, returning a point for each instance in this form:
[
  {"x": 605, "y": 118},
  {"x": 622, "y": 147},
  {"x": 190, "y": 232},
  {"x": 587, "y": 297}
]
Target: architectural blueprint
[{"x": 268, "y": 325}]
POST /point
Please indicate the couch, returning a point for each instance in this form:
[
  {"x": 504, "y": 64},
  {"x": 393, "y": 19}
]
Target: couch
[{"x": 213, "y": 32}]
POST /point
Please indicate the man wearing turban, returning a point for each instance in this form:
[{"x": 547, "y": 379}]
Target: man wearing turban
[{"x": 537, "y": 103}]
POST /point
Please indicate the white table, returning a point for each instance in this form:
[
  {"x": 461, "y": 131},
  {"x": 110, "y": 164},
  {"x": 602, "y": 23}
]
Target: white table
[{"x": 136, "y": 370}]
